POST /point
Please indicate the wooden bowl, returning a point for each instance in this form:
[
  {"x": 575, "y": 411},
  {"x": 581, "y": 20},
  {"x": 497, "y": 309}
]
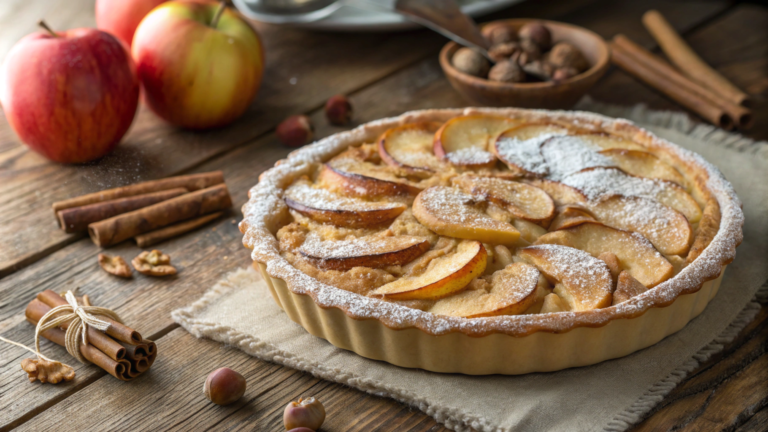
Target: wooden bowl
[{"x": 563, "y": 94}]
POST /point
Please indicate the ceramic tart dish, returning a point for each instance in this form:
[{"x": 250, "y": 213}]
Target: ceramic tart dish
[{"x": 492, "y": 241}]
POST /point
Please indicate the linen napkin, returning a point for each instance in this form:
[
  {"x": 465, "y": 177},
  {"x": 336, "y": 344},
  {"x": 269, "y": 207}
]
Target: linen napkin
[{"x": 610, "y": 396}]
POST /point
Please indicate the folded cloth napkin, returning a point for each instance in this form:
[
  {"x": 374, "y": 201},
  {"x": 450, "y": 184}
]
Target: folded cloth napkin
[{"x": 611, "y": 396}]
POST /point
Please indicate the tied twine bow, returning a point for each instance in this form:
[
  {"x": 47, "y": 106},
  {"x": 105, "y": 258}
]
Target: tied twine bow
[{"x": 80, "y": 316}]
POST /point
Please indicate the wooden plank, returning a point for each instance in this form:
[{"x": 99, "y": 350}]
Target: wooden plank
[
  {"x": 170, "y": 397},
  {"x": 149, "y": 301}
]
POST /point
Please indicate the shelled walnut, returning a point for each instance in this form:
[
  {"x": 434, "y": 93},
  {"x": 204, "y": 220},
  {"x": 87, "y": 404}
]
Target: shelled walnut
[
  {"x": 47, "y": 371},
  {"x": 153, "y": 263},
  {"x": 114, "y": 265}
]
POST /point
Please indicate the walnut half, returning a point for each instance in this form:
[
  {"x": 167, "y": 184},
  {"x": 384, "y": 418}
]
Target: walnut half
[
  {"x": 153, "y": 263},
  {"x": 47, "y": 371},
  {"x": 115, "y": 265}
]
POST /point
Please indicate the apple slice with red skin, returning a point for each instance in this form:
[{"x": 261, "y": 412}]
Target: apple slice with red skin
[
  {"x": 512, "y": 291},
  {"x": 326, "y": 207},
  {"x": 363, "y": 179},
  {"x": 410, "y": 146},
  {"x": 453, "y": 213},
  {"x": 581, "y": 280},
  {"x": 376, "y": 252},
  {"x": 634, "y": 252},
  {"x": 466, "y": 141},
  {"x": 643, "y": 164},
  {"x": 523, "y": 201},
  {"x": 444, "y": 276}
]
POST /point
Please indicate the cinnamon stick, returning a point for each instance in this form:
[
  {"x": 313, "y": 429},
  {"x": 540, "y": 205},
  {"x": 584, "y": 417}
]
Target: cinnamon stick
[
  {"x": 738, "y": 114},
  {"x": 117, "y": 368},
  {"x": 191, "y": 182},
  {"x": 154, "y": 237},
  {"x": 640, "y": 70},
  {"x": 122, "y": 227},
  {"x": 688, "y": 61},
  {"x": 125, "y": 335},
  {"x": 100, "y": 340},
  {"x": 77, "y": 219}
]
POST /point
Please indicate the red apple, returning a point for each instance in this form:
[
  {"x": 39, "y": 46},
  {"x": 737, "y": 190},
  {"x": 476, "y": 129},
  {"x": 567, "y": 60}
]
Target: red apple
[
  {"x": 121, "y": 17},
  {"x": 200, "y": 65},
  {"x": 70, "y": 96}
]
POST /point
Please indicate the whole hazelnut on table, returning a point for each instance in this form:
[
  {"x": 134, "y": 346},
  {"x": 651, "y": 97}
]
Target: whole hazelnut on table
[
  {"x": 506, "y": 71},
  {"x": 470, "y": 62},
  {"x": 338, "y": 110},
  {"x": 295, "y": 131},
  {"x": 537, "y": 33},
  {"x": 308, "y": 413},
  {"x": 224, "y": 386},
  {"x": 564, "y": 54},
  {"x": 499, "y": 34},
  {"x": 503, "y": 51}
]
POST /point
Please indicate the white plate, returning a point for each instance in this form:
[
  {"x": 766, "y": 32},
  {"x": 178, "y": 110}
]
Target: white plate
[{"x": 349, "y": 18}]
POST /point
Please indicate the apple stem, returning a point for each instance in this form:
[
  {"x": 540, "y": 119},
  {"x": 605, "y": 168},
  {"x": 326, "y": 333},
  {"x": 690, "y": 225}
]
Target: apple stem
[
  {"x": 43, "y": 24},
  {"x": 219, "y": 11}
]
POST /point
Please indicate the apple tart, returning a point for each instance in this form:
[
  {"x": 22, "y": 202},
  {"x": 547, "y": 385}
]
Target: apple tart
[{"x": 495, "y": 229}]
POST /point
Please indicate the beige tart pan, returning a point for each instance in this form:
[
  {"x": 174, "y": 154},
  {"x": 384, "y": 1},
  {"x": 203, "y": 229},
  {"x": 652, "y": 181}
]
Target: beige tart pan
[{"x": 492, "y": 241}]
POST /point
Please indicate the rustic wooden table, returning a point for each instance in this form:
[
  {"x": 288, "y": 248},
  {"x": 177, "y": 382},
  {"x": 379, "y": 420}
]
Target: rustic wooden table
[{"x": 383, "y": 74}]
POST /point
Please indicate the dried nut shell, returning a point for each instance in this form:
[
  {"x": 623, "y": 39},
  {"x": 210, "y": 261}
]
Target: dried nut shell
[
  {"x": 565, "y": 55},
  {"x": 537, "y": 33},
  {"x": 470, "y": 62},
  {"x": 115, "y": 265},
  {"x": 499, "y": 34},
  {"x": 153, "y": 263},
  {"x": 47, "y": 371},
  {"x": 503, "y": 51},
  {"x": 530, "y": 52},
  {"x": 539, "y": 69},
  {"x": 506, "y": 71}
]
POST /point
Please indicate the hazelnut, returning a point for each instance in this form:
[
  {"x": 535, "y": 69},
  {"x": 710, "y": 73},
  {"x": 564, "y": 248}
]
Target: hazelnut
[
  {"x": 295, "y": 131},
  {"x": 529, "y": 52},
  {"x": 503, "y": 51},
  {"x": 224, "y": 386},
  {"x": 308, "y": 413},
  {"x": 564, "y": 54},
  {"x": 537, "y": 33},
  {"x": 506, "y": 71},
  {"x": 539, "y": 69},
  {"x": 470, "y": 62},
  {"x": 562, "y": 74},
  {"x": 338, "y": 110},
  {"x": 499, "y": 34}
]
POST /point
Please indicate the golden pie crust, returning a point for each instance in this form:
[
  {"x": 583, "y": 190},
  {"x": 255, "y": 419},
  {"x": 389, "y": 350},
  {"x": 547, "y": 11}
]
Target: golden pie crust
[{"x": 338, "y": 315}]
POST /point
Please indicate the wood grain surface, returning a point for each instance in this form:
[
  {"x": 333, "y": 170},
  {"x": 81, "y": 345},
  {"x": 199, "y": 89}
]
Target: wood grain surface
[{"x": 383, "y": 74}]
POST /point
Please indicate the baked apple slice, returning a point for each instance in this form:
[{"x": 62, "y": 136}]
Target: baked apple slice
[
  {"x": 376, "y": 252},
  {"x": 667, "y": 229},
  {"x": 512, "y": 291},
  {"x": 521, "y": 200},
  {"x": 635, "y": 253},
  {"x": 571, "y": 215},
  {"x": 410, "y": 146},
  {"x": 626, "y": 288},
  {"x": 581, "y": 280},
  {"x": 553, "y": 303},
  {"x": 560, "y": 193},
  {"x": 520, "y": 147},
  {"x": 606, "y": 141},
  {"x": 444, "y": 276},
  {"x": 465, "y": 141},
  {"x": 326, "y": 207},
  {"x": 364, "y": 179},
  {"x": 453, "y": 213},
  {"x": 643, "y": 164}
]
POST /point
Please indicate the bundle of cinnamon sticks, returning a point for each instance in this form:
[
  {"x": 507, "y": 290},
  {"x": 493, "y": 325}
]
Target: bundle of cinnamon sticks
[
  {"x": 148, "y": 212},
  {"x": 693, "y": 84},
  {"x": 121, "y": 351}
]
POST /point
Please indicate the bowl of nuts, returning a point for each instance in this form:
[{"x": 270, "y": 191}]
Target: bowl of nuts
[{"x": 536, "y": 64}]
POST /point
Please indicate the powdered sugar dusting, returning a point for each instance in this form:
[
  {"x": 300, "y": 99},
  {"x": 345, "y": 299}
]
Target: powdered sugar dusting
[
  {"x": 322, "y": 199},
  {"x": 600, "y": 182},
  {"x": 526, "y": 154},
  {"x": 315, "y": 246},
  {"x": 470, "y": 156},
  {"x": 565, "y": 155}
]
